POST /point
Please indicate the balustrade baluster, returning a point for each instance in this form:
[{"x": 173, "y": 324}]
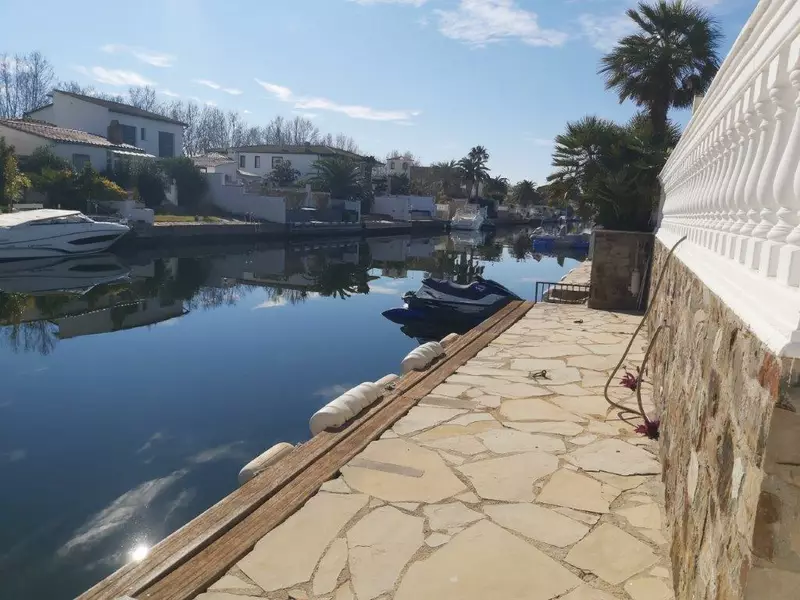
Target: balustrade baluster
[
  {"x": 746, "y": 196},
  {"x": 775, "y": 236},
  {"x": 735, "y": 212},
  {"x": 787, "y": 178}
]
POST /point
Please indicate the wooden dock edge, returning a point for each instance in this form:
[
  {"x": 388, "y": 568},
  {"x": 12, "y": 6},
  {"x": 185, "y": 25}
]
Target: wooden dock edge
[{"x": 189, "y": 560}]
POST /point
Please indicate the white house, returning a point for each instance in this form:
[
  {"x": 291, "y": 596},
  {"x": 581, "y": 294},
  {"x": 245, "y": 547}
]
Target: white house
[
  {"x": 120, "y": 123},
  {"x": 77, "y": 147},
  {"x": 260, "y": 160},
  {"x": 398, "y": 165}
]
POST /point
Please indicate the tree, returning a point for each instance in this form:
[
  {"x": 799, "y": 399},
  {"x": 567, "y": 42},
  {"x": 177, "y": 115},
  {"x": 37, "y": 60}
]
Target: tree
[
  {"x": 144, "y": 97},
  {"x": 671, "y": 59},
  {"x": 25, "y": 81},
  {"x": 474, "y": 168},
  {"x": 191, "y": 183},
  {"x": 284, "y": 174},
  {"x": 524, "y": 194},
  {"x": 340, "y": 176},
  {"x": 497, "y": 188},
  {"x": 448, "y": 175},
  {"x": 12, "y": 182},
  {"x": 399, "y": 185}
]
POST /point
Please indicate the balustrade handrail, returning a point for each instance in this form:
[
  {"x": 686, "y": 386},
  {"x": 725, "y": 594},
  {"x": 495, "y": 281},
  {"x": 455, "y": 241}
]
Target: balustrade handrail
[{"x": 732, "y": 184}]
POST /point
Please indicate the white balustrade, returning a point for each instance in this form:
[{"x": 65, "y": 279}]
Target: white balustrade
[{"x": 732, "y": 185}]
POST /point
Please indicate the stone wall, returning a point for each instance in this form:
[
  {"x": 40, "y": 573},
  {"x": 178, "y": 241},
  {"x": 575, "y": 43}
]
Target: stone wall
[
  {"x": 619, "y": 267},
  {"x": 730, "y": 446}
]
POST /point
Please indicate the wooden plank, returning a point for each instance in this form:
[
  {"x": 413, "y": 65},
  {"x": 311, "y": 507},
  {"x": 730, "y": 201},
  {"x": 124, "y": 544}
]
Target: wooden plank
[
  {"x": 194, "y": 577},
  {"x": 206, "y": 527}
]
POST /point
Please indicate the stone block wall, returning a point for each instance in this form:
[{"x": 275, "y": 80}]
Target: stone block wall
[
  {"x": 730, "y": 446},
  {"x": 619, "y": 267}
]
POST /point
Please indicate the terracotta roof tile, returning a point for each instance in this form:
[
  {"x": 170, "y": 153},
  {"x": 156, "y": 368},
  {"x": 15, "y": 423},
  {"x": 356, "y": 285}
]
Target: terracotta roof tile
[{"x": 60, "y": 134}]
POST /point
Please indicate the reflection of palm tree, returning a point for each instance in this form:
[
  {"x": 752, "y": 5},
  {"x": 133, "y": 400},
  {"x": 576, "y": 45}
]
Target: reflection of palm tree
[
  {"x": 521, "y": 246},
  {"x": 340, "y": 280}
]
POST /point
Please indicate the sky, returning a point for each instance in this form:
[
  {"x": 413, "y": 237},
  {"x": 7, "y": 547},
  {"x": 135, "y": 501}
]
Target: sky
[{"x": 434, "y": 77}]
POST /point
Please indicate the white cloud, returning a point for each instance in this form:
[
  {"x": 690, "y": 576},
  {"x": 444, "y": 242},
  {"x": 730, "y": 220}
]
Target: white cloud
[
  {"x": 374, "y": 2},
  {"x": 216, "y": 86},
  {"x": 210, "y": 103},
  {"x": 270, "y": 304},
  {"x": 114, "y": 76},
  {"x": 354, "y": 111},
  {"x": 482, "y": 22},
  {"x": 169, "y": 93},
  {"x": 333, "y": 391},
  {"x": 280, "y": 92},
  {"x": 246, "y": 112},
  {"x": 306, "y": 115},
  {"x": 603, "y": 32},
  {"x": 384, "y": 290},
  {"x": 151, "y": 57}
]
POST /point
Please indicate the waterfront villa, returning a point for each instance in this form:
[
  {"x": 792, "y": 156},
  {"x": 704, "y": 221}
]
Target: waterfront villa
[
  {"x": 262, "y": 159},
  {"x": 77, "y": 147},
  {"x": 119, "y": 123}
]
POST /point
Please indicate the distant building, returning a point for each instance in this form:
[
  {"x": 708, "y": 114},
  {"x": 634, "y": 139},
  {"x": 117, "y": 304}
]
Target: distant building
[
  {"x": 262, "y": 159},
  {"x": 77, "y": 147},
  {"x": 398, "y": 165},
  {"x": 119, "y": 123}
]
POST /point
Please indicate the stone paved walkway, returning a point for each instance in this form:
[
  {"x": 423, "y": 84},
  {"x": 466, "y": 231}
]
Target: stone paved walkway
[{"x": 496, "y": 486}]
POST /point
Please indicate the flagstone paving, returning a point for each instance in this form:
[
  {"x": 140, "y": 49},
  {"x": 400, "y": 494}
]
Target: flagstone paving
[{"x": 503, "y": 483}]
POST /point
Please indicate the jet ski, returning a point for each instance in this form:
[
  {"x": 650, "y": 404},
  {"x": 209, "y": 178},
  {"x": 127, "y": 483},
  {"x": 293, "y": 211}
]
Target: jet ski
[{"x": 442, "y": 301}]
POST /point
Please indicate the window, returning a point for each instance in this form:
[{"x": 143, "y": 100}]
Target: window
[
  {"x": 242, "y": 161},
  {"x": 143, "y": 134},
  {"x": 405, "y": 166},
  {"x": 276, "y": 160},
  {"x": 391, "y": 166},
  {"x": 128, "y": 134},
  {"x": 166, "y": 144},
  {"x": 257, "y": 162},
  {"x": 79, "y": 161}
]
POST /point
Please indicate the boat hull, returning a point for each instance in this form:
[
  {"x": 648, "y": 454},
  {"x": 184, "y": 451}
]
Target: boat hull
[{"x": 63, "y": 245}]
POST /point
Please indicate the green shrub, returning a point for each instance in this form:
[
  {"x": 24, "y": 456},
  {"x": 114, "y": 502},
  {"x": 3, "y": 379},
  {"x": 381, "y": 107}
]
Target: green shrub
[{"x": 192, "y": 184}]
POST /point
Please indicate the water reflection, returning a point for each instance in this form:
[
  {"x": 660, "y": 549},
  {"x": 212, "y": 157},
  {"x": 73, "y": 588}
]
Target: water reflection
[
  {"x": 43, "y": 302},
  {"x": 135, "y": 387}
]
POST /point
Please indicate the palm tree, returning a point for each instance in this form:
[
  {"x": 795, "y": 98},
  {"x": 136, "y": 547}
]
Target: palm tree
[
  {"x": 474, "y": 168},
  {"x": 447, "y": 175},
  {"x": 579, "y": 151},
  {"x": 668, "y": 62},
  {"x": 524, "y": 194},
  {"x": 497, "y": 188},
  {"x": 340, "y": 176}
]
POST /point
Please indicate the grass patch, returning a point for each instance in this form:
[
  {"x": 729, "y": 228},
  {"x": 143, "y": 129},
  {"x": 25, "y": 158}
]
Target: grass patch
[{"x": 186, "y": 219}]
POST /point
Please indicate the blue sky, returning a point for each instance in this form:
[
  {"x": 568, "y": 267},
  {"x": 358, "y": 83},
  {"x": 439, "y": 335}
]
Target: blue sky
[{"x": 432, "y": 76}]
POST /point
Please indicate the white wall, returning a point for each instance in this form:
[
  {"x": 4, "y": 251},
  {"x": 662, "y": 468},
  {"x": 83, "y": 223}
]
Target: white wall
[
  {"x": 400, "y": 207},
  {"x": 233, "y": 199},
  {"x": 24, "y": 143},
  {"x": 302, "y": 162},
  {"x": 398, "y": 167},
  {"x": 97, "y": 156}
]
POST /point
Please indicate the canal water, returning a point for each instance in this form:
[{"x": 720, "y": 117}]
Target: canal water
[{"x": 134, "y": 388}]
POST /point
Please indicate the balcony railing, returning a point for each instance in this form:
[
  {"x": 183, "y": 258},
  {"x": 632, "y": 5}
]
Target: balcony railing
[{"x": 732, "y": 185}]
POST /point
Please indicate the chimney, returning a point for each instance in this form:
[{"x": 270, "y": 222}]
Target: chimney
[{"x": 114, "y": 132}]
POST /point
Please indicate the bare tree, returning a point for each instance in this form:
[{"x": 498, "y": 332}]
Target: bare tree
[
  {"x": 25, "y": 81},
  {"x": 144, "y": 97},
  {"x": 87, "y": 90},
  {"x": 408, "y": 156},
  {"x": 302, "y": 130},
  {"x": 237, "y": 129}
]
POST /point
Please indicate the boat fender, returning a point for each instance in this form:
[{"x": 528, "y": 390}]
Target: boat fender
[
  {"x": 448, "y": 339},
  {"x": 421, "y": 357},
  {"x": 263, "y": 460},
  {"x": 386, "y": 380},
  {"x": 339, "y": 410}
]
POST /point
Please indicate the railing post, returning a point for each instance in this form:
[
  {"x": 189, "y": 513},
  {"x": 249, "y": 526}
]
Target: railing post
[{"x": 787, "y": 179}]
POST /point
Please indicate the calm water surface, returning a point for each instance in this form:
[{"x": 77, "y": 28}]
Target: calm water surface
[{"x": 135, "y": 388}]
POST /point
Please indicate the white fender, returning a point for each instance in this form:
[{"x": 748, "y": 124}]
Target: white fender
[
  {"x": 448, "y": 339},
  {"x": 263, "y": 460},
  {"x": 421, "y": 357},
  {"x": 338, "y": 411},
  {"x": 386, "y": 380}
]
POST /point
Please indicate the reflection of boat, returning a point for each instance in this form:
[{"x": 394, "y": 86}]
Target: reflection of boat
[
  {"x": 44, "y": 275},
  {"x": 467, "y": 239},
  {"x": 468, "y": 217},
  {"x": 440, "y": 301},
  {"x": 544, "y": 241},
  {"x": 48, "y": 232}
]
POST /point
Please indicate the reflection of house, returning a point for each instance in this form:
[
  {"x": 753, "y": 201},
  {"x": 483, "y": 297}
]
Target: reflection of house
[
  {"x": 120, "y": 123},
  {"x": 77, "y": 147},
  {"x": 117, "y": 318},
  {"x": 261, "y": 159}
]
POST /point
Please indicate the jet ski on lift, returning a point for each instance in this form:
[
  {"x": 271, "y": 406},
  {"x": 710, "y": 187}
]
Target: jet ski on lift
[{"x": 439, "y": 301}]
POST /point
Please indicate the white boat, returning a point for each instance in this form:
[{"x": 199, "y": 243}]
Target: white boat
[
  {"x": 470, "y": 217},
  {"x": 48, "y": 232}
]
